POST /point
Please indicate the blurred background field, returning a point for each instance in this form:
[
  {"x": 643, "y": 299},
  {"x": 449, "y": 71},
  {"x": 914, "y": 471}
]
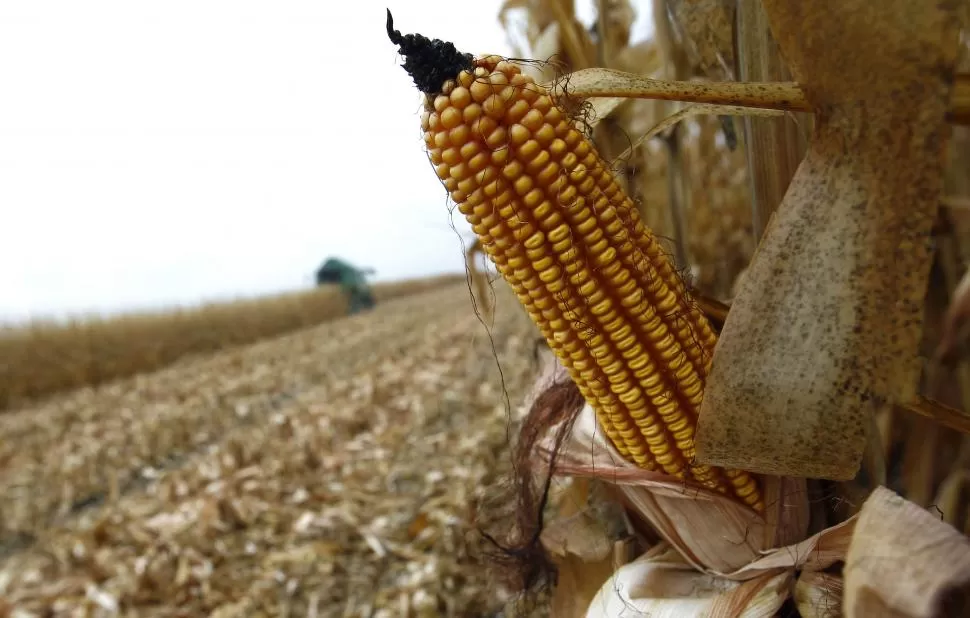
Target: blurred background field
[
  {"x": 338, "y": 470},
  {"x": 45, "y": 357}
]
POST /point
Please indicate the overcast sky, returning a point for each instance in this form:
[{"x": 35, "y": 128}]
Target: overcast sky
[{"x": 167, "y": 153}]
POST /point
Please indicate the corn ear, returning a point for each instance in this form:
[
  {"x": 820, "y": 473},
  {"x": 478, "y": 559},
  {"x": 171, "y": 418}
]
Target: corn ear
[{"x": 552, "y": 217}]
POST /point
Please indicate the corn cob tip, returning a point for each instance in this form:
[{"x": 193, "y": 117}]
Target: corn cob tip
[{"x": 430, "y": 63}]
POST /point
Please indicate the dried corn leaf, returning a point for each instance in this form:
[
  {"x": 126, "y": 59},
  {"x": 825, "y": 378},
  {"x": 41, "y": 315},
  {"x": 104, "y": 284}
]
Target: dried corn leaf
[
  {"x": 601, "y": 109},
  {"x": 510, "y": 5},
  {"x": 818, "y": 595},
  {"x": 577, "y": 583},
  {"x": 940, "y": 414},
  {"x": 575, "y": 46},
  {"x": 951, "y": 498},
  {"x": 660, "y": 584},
  {"x": 826, "y": 326},
  {"x": 547, "y": 49},
  {"x": 905, "y": 562},
  {"x": 712, "y": 533},
  {"x": 697, "y": 109},
  {"x": 581, "y": 535},
  {"x": 580, "y": 545}
]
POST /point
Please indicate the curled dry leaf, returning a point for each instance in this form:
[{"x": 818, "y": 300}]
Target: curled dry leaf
[
  {"x": 826, "y": 327},
  {"x": 580, "y": 541},
  {"x": 642, "y": 57},
  {"x": 546, "y": 46},
  {"x": 510, "y": 5},
  {"x": 659, "y": 583},
  {"x": 893, "y": 551},
  {"x": 716, "y": 552},
  {"x": 712, "y": 532},
  {"x": 818, "y": 595},
  {"x": 951, "y": 498},
  {"x": 905, "y": 562},
  {"x": 697, "y": 109}
]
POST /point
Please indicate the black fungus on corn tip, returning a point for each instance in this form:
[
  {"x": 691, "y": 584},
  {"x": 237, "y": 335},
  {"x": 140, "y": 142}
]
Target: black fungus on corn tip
[{"x": 429, "y": 62}]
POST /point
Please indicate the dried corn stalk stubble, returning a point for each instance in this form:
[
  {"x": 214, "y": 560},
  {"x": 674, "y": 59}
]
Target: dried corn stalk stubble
[
  {"x": 827, "y": 324},
  {"x": 551, "y": 216}
]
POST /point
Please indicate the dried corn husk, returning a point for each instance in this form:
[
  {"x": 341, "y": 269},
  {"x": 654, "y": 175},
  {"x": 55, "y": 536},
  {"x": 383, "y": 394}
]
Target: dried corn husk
[
  {"x": 661, "y": 584},
  {"x": 581, "y": 543},
  {"x": 818, "y": 595},
  {"x": 827, "y": 324},
  {"x": 903, "y": 560},
  {"x": 686, "y": 576},
  {"x": 578, "y": 582},
  {"x": 712, "y": 532},
  {"x": 719, "y": 553}
]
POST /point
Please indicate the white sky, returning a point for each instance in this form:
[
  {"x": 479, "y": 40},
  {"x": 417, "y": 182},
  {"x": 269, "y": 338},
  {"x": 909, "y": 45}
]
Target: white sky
[{"x": 163, "y": 153}]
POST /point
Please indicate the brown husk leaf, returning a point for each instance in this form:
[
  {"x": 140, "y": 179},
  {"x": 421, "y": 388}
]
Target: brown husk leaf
[
  {"x": 826, "y": 326},
  {"x": 904, "y": 561}
]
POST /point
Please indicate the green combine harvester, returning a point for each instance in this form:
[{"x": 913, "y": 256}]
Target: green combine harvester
[{"x": 353, "y": 282}]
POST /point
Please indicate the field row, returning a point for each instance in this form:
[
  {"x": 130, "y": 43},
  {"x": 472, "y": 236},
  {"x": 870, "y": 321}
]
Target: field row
[
  {"x": 287, "y": 477},
  {"x": 75, "y": 449},
  {"x": 41, "y": 358}
]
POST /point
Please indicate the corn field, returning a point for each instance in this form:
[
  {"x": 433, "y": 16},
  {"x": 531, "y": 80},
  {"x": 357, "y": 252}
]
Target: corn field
[
  {"x": 721, "y": 370},
  {"x": 334, "y": 471}
]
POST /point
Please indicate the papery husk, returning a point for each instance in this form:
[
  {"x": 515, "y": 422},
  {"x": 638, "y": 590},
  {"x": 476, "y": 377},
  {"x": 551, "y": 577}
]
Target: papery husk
[
  {"x": 588, "y": 526},
  {"x": 717, "y": 552},
  {"x": 580, "y": 542},
  {"x": 818, "y": 595},
  {"x": 826, "y": 328},
  {"x": 899, "y": 559},
  {"x": 550, "y": 371},
  {"x": 577, "y": 583},
  {"x": 718, "y": 557},
  {"x": 661, "y": 584},
  {"x": 903, "y": 562},
  {"x": 714, "y": 533}
]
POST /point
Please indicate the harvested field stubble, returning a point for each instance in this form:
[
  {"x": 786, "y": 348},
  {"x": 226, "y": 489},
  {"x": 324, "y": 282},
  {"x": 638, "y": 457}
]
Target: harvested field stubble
[
  {"x": 42, "y": 358},
  {"x": 331, "y": 472}
]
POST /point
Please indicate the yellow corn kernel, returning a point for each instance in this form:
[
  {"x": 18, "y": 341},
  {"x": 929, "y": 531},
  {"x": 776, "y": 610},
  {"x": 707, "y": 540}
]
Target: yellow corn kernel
[{"x": 551, "y": 216}]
